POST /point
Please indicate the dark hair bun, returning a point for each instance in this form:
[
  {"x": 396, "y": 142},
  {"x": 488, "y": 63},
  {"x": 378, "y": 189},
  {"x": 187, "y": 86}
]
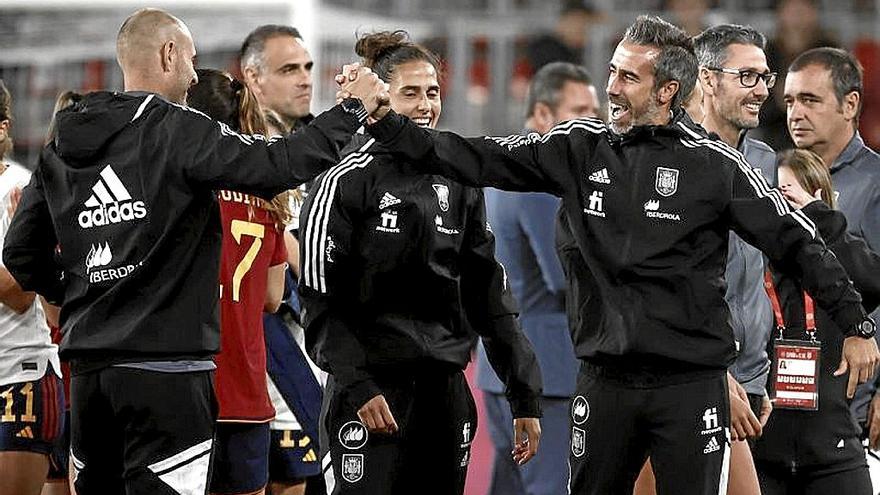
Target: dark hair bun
[{"x": 374, "y": 46}]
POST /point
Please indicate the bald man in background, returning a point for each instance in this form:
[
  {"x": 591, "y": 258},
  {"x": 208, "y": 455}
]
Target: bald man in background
[{"x": 126, "y": 189}]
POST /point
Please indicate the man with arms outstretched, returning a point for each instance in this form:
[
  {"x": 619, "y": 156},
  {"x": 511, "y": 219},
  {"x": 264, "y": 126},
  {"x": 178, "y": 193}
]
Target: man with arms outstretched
[{"x": 644, "y": 256}]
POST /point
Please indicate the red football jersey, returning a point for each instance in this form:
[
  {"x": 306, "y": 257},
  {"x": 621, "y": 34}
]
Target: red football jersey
[{"x": 251, "y": 244}]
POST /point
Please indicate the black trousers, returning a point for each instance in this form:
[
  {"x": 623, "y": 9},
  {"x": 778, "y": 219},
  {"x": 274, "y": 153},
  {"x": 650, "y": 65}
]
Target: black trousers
[
  {"x": 617, "y": 420},
  {"x": 437, "y": 420},
  {"x": 139, "y": 432},
  {"x": 776, "y": 480},
  {"x": 815, "y": 452}
]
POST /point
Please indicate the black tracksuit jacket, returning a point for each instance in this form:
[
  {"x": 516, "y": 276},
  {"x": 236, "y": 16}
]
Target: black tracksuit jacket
[
  {"x": 120, "y": 223},
  {"x": 827, "y": 439},
  {"x": 399, "y": 274},
  {"x": 650, "y": 214}
]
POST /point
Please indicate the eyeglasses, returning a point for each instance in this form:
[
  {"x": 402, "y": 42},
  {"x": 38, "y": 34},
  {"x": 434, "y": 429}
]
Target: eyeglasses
[{"x": 749, "y": 78}]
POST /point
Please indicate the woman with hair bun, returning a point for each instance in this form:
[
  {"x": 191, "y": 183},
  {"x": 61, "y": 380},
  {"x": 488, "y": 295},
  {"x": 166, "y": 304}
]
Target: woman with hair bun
[
  {"x": 816, "y": 452},
  {"x": 398, "y": 279},
  {"x": 252, "y": 263}
]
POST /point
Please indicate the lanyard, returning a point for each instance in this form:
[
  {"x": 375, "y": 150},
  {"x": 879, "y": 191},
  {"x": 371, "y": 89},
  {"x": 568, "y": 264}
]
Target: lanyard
[{"x": 809, "y": 308}]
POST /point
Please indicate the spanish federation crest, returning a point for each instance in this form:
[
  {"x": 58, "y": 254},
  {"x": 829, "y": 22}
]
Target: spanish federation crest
[
  {"x": 578, "y": 441},
  {"x": 442, "y": 196},
  {"x": 352, "y": 467},
  {"x": 667, "y": 181}
]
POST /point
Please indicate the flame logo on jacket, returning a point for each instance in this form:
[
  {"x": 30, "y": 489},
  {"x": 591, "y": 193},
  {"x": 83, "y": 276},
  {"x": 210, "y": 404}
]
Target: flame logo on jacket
[
  {"x": 353, "y": 435},
  {"x": 98, "y": 256}
]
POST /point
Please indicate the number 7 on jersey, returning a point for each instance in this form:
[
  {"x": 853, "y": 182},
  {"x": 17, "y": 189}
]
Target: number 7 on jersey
[{"x": 239, "y": 229}]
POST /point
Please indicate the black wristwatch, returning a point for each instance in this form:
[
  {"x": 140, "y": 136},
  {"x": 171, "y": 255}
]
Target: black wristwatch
[
  {"x": 866, "y": 329},
  {"x": 355, "y": 107}
]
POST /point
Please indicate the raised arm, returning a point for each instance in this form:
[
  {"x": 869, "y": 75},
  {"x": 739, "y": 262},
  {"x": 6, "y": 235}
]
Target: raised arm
[
  {"x": 515, "y": 163},
  {"x": 217, "y": 157},
  {"x": 253, "y": 164}
]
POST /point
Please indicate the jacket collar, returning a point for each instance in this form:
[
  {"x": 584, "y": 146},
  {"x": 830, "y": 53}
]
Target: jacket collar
[
  {"x": 679, "y": 120},
  {"x": 849, "y": 154},
  {"x": 741, "y": 142}
]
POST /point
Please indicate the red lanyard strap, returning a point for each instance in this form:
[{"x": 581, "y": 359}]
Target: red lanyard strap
[
  {"x": 809, "y": 306},
  {"x": 774, "y": 300},
  {"x": 809, "y": 313}
]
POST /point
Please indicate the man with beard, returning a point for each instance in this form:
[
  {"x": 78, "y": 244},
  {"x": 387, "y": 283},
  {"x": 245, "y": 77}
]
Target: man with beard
[{"x": 644, "y": 257}]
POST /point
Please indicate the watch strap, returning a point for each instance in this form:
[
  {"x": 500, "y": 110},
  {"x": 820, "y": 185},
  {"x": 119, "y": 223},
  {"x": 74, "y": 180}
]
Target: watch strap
[{"x": 355, "y": 107}]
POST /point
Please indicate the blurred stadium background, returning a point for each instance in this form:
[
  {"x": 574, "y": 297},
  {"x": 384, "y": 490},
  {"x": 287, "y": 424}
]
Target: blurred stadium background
[{"x": 48, "y": 46}]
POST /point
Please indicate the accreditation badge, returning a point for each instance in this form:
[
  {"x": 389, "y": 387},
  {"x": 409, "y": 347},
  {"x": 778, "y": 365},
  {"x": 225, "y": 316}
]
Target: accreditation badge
[{"x": 795, "y": 374}]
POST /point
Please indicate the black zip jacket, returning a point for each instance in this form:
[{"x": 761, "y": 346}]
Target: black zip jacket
[
  {"x": 398, "y": 273},
  {"x": 650, "y": 213},
  {"x": 125, "y": 194},
  {"x": 827, "y": 438}
]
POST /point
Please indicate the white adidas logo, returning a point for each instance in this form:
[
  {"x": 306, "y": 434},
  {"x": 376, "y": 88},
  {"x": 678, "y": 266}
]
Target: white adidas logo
[
  {"x": 712, "y": 446},
  {"x": 387, "y": 200},
  {"x": 600, "y": 176},
  {"x": 110, "y": 203}
]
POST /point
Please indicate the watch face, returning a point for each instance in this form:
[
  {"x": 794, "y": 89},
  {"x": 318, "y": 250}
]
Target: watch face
[
  {"x": 351, "y": 104},
  {"x": 355, "y": 107},
  {"x": 866, "y": 328}
]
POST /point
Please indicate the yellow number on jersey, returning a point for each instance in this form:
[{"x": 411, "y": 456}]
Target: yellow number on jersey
[
  {"x": 28, "y": 391},
  {"x": 8, "y": 416},
  {"x": 255, "y": 230},
  {"x": 287, "y": 441}
]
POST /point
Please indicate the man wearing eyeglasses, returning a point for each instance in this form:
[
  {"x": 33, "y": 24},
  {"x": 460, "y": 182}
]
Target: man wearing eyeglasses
[{"x": 736, "y": 82}]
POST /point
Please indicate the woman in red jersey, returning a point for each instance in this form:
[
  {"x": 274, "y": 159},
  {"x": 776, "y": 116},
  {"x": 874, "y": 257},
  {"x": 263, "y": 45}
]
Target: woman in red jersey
[{"x": 251, "y": 280}]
